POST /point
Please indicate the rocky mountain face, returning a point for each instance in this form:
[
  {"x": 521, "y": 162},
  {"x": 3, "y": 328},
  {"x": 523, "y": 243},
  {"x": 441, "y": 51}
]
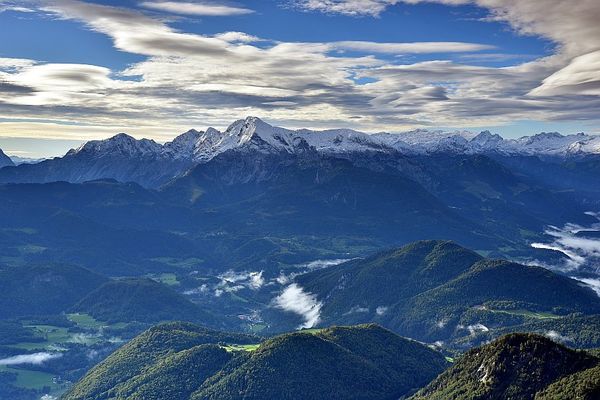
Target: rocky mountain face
[{"x": 517, "y": 366}]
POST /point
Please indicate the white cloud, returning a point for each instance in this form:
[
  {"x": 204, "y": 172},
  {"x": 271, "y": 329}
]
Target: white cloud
[
  {"x": 581, "y": 251},
  {"x": 381, "y": 310},
  {"x": 237, "y": 37},
  {"x": 252, "y": 280},
  {"x": 572, "y": 25},
  {"x": 13, "y": 64},
  {"x": 581, "y": 76},
  {"x": 187, "y": 79},
  {"x": 295, "y": 299},
  {"x": 357, "y": 310},
  {"x": 347, "y": 7},
  {"x": 473, "y": 329},
  {"x": 203, "y": 8},
  {"x": 415, "y": 48},
  {"x": 35, "y": 358},
  {"x": 557, "y": 336},
  {"x": 592, "y": 283}
]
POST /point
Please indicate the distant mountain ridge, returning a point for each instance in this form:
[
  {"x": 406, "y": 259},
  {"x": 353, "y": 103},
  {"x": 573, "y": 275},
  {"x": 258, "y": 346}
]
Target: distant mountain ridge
[
  {"x": 256, "y": 134},
  {"x": 5, "y": 160},
  {"x": 151, "y": 164}
]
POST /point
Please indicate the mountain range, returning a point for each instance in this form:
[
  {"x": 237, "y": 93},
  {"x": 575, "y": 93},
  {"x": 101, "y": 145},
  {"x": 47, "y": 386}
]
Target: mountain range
[{"x": 151, "y": 164}]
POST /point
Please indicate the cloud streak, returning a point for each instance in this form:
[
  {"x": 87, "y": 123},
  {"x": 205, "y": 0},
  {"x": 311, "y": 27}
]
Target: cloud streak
[
  {"x": 582, "y": 252},
  {"x": 294, "y": 299},
  {"x": 34, "y": 359},
  {"x": 209, "y": 9}
]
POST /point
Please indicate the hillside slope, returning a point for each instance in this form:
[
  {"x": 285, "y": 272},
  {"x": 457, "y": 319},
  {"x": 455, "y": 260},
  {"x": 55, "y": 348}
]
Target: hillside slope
[
  {"x": 437, "y": 290},
  {"x": 361, "y": 362},
  {"x": 516, "y": 367},
  {"x": 106, "y": 379},
  {"x": 44, "y": 289},
  {"x": 142, "y": 300}
]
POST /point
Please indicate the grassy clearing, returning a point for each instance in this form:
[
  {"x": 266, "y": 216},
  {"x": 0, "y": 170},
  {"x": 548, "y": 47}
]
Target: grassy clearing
[
  {"x": 240, "y": 347},
  {"x": 32, "y": 379},
  {"x": 167, "y": 279},
  {"x": 312, "y": 331},
  {"x": 182, "y": 263},
  {"x": 527, "y": 313},
  {"x": 52, "y": 335},
  {"x": 257, "y": 328},
  {"x": 85, "y": 321}
]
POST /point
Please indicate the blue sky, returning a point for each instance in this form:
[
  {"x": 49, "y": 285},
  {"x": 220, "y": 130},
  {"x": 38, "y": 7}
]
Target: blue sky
[{"x": 78, "y": 70}]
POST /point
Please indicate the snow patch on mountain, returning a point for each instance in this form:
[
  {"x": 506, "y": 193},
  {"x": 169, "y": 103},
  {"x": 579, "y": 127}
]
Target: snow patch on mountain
[
  {"x": 120, "y": 144},
  {"x": 253, "y": 134}
]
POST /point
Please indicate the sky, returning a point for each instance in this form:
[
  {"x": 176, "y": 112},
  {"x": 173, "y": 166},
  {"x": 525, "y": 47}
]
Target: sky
[{"x": 72, "y": 70}]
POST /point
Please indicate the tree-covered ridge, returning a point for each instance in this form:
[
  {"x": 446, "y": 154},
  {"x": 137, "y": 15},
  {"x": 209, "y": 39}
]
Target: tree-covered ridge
[
  {"x": 111, "y": 377},
  {"x": 577, "y": 331},
  {"x": 517, "y": 366},
  {"x": 440, "y": 291},
  {"x": 360, "y": 362},
  {"x": 143, "y": 300},
  {"x": 583, "y": 385},
  {"x": 42, "y": 289},
  {"x": 169, "y": 361}
]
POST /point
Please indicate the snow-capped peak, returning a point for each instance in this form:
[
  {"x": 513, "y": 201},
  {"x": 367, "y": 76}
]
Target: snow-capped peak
[
  {"x": 182, "y": 147},
  {"x": 253, "y": 134},
  {"x": 121, "y": 144}
]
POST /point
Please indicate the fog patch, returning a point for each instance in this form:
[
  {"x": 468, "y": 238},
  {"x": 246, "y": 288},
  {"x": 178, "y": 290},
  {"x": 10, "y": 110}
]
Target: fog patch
[
  {"x": 283, "y": 279},
  {"x": 473, "y": 329},
  {"x": 320, "y": 264},
  {"x": 234, "y": 281},
  {"x": 557, "y": 337},
  {"x": 34, "y": 359},
  {"x": 592, "y": 283},
  {"x": 199, "y": 290},
  {"x": 294, "y": 299},
  {"x": 582, "y": 252},
  {"x": 357, "y": 310},
  {"x": 381, "y": 310},
  {"x": 299, "y": 269},
  {"x": 83, "y": 338}
]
